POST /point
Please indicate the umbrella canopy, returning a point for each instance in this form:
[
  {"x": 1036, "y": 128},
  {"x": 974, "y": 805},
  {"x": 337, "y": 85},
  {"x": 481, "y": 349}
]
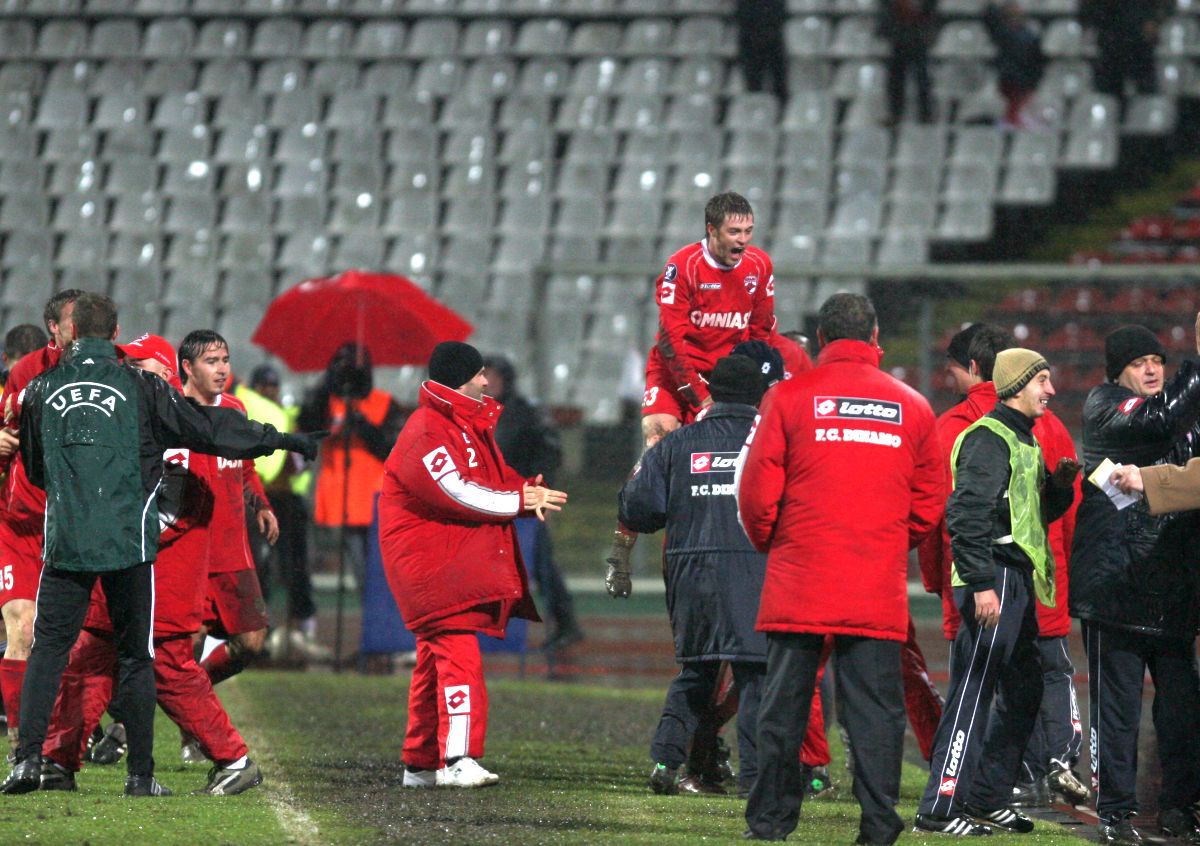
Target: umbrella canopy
[{"x": 387, "y": 314}]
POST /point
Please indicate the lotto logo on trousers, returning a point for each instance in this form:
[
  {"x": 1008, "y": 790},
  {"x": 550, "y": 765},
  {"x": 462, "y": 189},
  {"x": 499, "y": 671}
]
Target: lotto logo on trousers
[{"x": 458, "y": 699}]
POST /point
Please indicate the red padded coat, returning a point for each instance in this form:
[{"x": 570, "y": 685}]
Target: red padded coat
[
  {"x": 445, "y": 519},
  {"x": 842, "y": 476}
]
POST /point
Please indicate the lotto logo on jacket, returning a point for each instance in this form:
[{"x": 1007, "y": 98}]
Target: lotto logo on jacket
[
  {"x": 856, "y": 408},
  {"x": 714, "y": 462}
]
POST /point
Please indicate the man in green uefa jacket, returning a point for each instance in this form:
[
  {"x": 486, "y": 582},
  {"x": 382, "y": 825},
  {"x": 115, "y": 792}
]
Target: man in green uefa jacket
[{"x": 93, "y": 432}]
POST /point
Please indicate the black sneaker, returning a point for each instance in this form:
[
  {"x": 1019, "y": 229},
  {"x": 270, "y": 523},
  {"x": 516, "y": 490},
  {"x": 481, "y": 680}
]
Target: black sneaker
[
  {"x": 564, "y": 638},
  {"x": 1032, "y": 794},
  {"x": 1180, "y": 823},
  {"x": 223, "y": 781},
  {"x": 56, "y": 777},
  {"x": 1119, "y": 831},
  {"x": 957, "y": 826},
  {"x": 25, "y": 777},
  {"x": 722, "y": 763},
  {"x": 94, "y": 738},
  {"x": 817, "y": 782},
  {"x": 664, "y": 780},
  {"x": 111, "y": 747},
  {"x": 144, "y": 786},
  {"x": 1069, "y": 787},
  {"x": 1004, "y": 817}
]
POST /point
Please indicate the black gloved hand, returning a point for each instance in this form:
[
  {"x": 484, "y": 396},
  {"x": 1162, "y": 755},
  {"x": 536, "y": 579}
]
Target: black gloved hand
[{"x": 305, "y": 443}]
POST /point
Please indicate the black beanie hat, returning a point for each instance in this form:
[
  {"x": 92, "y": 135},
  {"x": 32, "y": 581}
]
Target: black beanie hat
[
  {"x": 736, "y": 378},
  {"x": 768, "y": 359},
  {"x": 1126, "y": 343},
  {"x": 961, "y": 343},
  {"x": 454, "y": 363}
]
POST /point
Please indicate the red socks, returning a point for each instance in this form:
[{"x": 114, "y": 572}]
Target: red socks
[{"x": 12, "y": 676}]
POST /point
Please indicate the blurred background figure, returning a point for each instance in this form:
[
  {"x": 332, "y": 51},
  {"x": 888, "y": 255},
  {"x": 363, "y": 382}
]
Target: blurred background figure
[
  {"x": 1126, "y": 35},
  {"x": 1020, "y": 61},
  {"x": 529, "y": 443},
  {"x": 18, "y": 342},
  {"x": 283, "y": 477},
  {"x": 363, "y": 422},
  {"x": 760, "y": 53},
  {"x": 909, "y": 26}
]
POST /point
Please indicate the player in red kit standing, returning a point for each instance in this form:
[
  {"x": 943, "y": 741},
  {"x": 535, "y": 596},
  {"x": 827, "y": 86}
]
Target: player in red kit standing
[
  {"x": 712, "y": 295},
  {"x": 234, "y": 608},
  {"x": 23, "y": 516}
]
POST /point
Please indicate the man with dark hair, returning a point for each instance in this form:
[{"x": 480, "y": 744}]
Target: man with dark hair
[
  {"x": 1003, "y": 500},
  {"x": 20, "y": 341},
  {"x": 958, "y": 362},
  {"x": 93, "y": 432},
  {"x": 234, "y": 610},
  {"x": 840, "y": 477},
  {"x": 451, "y": 557},
  {"x": 712, "y": 294},
  {"x": 528, "y": 441},
  {"x": 714, "y": 578},
  {"x": 1134, "y": 590},
  {"x": 24, "y": 512}
]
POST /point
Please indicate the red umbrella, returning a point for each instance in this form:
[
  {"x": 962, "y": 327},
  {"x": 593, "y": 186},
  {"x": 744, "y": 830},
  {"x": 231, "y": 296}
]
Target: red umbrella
[{"x": 388, "y": 314}]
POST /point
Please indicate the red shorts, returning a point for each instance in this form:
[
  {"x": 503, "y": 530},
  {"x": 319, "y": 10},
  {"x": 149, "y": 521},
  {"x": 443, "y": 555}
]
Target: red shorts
[
  {"x": 20, "y": 563},
  {"x": 234, "y": 604},
  {"x": 662, "y": 397}
]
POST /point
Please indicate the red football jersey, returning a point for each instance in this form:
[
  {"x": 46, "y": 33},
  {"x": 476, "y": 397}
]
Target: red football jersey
[
  {"x": 26, "y": 503},
  {"x": 705, "y": 309},
  {"x": 233, "y": 482}
]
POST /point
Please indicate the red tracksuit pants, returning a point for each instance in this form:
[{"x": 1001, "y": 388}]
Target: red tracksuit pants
[
  {"x": 447, "y": 701},
  {"x": 184, "y": 693}
]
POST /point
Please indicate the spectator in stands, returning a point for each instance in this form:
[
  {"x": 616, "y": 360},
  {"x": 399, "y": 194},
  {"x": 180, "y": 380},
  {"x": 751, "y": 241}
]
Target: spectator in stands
[
  {"x": 1019, "y": 60},
  {"x": 761, "y": 53},
  {"x": 1126, "y": 34},
  {"x": 528, "y": 441},
  {"x": 278, "y": 472},
  {"x": 363, "y": 422},
  {"x": 909, "y": 25}
]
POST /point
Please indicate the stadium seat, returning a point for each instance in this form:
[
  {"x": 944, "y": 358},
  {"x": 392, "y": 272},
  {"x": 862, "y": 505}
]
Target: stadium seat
[
  {"x": 168, "y": 38},
  {"x": 647, "y": 76},
  {"x": 62, "y": 39},
  {"x": 83, "y": 248},
  {"x": 380, "y": 39},
  {"x": 31, "y": 251},
  {"x": 136, "y": 250},
  {"x": 807, "y": 36},
  {"x": 328, "y": 38},
  {"x": 222, "y": 38},
  {"x": 276, "y": 37}
]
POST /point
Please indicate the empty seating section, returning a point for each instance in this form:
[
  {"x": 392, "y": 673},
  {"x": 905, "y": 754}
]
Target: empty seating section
[{"x": 197, "y": 156}]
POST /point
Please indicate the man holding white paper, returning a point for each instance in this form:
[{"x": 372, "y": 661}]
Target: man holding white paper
[{"x": 1131, "y": 587}]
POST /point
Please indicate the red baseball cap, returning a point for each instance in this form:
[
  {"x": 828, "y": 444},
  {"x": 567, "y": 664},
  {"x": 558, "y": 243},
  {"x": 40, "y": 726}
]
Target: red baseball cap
[{"x": 157, "y": 348}]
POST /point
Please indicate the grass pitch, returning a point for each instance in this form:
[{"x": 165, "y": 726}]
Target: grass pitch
[{"x": 572, "y": 760}]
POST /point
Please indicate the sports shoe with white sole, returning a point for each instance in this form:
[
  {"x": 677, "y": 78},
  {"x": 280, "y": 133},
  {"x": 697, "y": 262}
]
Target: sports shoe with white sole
[
  {"x": 1005, "y": 817},
  {"x": 111, "y": 747},
  {"x": 956, "y": 826},
  {"x": 190, "y": 752},
  {"x": 223, "y": 781},
  {"x": 420, "y": 778},
  {"x": 465, "y": 772}
]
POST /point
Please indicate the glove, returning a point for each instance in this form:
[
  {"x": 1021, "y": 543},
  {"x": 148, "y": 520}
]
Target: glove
[
  {"x": 1065, "y": 472},
  {"x": 617, "y": 579},
  {"x": 305, "y": 443}
]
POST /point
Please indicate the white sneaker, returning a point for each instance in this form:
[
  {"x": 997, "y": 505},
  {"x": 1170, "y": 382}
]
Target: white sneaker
[
  {"x": 465, "y": 772},
  {"x": 420, "y": 778}
]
